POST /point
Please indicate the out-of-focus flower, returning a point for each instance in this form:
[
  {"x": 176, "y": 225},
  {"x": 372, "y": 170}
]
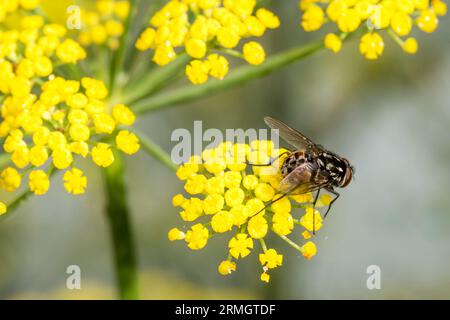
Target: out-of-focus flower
[
  {"x": 200, "y": 28},
  {"x": 3, "y": 208},
  {"x": 397, "y": 17},
  {"x": 47, "y": 118},
  {"x": 226, "y": 267},
  {"x": 230, "y": 196},
  {"x": 104, "y": 24}
]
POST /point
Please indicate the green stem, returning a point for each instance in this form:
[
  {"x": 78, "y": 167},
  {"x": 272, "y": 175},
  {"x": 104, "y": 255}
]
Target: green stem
[
  {"x": 21, "y": 198},
  {"x": 154, "y": 80},
  {"x": 395, "y": 37},
  {"x": 232, "y": 52},
  {"x": 15, "y": 203},
  {"x": 119, "y": 54},
  {"x": 155, "y": 151},
  {"x": 263, "y": 245},
  {"x": 5, "y": 159},
  {"x": 68, "y": 70},
  {"x": 121, "y": 231},
  {"x": 239, "y": 76},
  {"x": 291, "y": 243}
]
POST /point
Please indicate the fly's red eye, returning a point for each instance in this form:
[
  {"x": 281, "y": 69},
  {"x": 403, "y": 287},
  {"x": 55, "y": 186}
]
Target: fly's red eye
[{"x": 347, "y": 178}]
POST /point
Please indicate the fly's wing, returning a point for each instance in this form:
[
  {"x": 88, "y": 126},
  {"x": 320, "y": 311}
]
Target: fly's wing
[
  {"x": 292, "y": 136},
  {"x": 301, "y": 180}
]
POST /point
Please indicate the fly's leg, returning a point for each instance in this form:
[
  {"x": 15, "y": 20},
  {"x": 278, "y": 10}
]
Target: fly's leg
[
  {"x": 314, "y": 210},
  {"x": 332, "y": 201},
  {"x": 268, "y": 164},
  {"x": 269, "y": 204},
  {"x": 285, "y": 194}
]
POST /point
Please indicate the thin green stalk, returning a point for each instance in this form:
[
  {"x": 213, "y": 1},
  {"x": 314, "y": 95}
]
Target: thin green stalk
[
  {"x": 149, "y": 7},
  {"x": 121, "y": 231},
  {"x": 155, "y": 151},
  {"x": 239, "y": 76},
  {"x": 263, "y": 245},
  {"x": 291, "y": 243},
  {"x": 5, "y": 159},
  {"x": 15, "y": 203},
  {"x": 21, "y": 198},
  {"x": 395, "y": 37},
  {"x": 232, "y": 52},
  {"x": 119, "y": 54},
  {"x": 68, "y": 70},
  {"x": 154, "y": 80}
]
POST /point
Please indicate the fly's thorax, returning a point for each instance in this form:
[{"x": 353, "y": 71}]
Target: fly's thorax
[{"x": 335, "y": 167}]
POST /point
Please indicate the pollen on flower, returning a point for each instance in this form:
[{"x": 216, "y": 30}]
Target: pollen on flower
[
  {"x": 70, "y": 51},
  {"x": 197, "y": 237},
  {"x": 271, "y": 259},
  {"x": 10, "y": 179},
  {"x": 396, "y": 17},
  {"x": 265, "y": 277},
  {"x": 309, "y": 250},
  {"x": 333, "y": 42},
  {"x": 307, "y": 220},
  {"x": 200, "y": 27},
  {"x": 175, "y": 234},
  {"x": 222, "y": 221},
  {"x": 218, "y": 66},
  {"x": 127, "y": 142},
  {"x": 197, "y": 71},
  {"x": 226, "y": 267},
  {"x": 213, "y": 203},
  {"x": 371, "y": 46},
  {"x": 240, "y": 245},
  {"x": 74, "y": 181},
  {"x": 410, "y": 45},
  {"x": 230, "y": 196},
  {"x": 282, "y": 223},
  {"x": 102, "y": 155},
  {"x": 123, "y": 115},
  {"x": 257, "y": 227},
  {"x": 254, "y": 53},
  {"x": 39, "y": 182}
]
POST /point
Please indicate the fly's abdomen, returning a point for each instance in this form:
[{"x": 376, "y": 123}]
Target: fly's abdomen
[{"x": 293, "y": 161}]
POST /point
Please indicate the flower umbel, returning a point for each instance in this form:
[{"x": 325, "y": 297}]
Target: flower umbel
[
  {"x": 397, "y": 17},
  {"x": 49, "y": 116},
  {"x": 206, "y": 30},
  {"x": 231, "y": 196}
]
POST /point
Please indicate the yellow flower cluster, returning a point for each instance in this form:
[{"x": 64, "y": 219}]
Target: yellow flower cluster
[
  {"x": 8, "y": 7},
  {"x": 206, "y": 30},
  {"x": 46, "y": 120},
  {"x": 104, "y": 24},
  {"x": 397, "y": 17},
  {"x": 227, "y": 195}
]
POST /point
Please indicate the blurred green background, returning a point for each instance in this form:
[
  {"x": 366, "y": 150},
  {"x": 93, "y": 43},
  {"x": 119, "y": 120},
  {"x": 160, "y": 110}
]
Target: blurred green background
[{"x": 390, "y": 117}]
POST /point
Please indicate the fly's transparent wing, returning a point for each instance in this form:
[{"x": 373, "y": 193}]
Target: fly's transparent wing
[
  {"x": 301, "y": 180},
  {"x": 292, "y": 136},
  {"x": 302, "y": 175}
]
